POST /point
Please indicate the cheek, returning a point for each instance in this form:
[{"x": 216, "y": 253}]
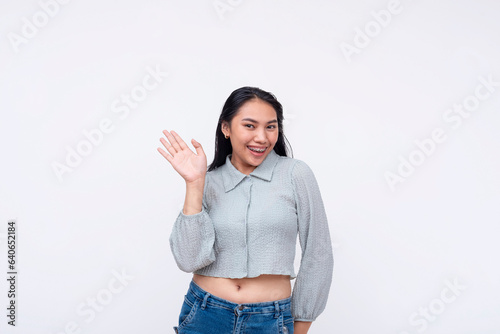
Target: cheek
[{"x": 240, "y": 141}]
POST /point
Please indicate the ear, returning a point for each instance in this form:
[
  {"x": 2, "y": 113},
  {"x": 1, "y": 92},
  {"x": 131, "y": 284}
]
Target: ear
[{"x": 225, "y": 127}]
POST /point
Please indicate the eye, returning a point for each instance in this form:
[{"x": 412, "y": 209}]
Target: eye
[
  {"x": 271, "y": 127},
  {"x": 249, "y": 125}
]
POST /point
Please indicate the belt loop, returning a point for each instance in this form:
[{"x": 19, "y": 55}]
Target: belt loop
[
  {"x": 277, "y": 309},
  {"x": 204, "y": 304}
]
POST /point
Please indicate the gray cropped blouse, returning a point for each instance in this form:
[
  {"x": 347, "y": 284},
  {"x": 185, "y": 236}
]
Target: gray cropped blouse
[{"x": 248, "y": 226}]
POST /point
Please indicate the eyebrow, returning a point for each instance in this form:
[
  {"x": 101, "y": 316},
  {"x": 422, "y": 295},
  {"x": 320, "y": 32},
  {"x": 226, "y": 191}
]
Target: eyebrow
[{"x": 254, "y": 121}]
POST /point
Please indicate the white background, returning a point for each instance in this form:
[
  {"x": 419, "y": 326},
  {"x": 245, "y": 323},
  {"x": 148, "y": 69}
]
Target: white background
[{"x": 350, "y": 118}]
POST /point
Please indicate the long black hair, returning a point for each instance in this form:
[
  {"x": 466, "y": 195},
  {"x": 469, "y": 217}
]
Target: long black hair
[{"x": 230, "y": 109}]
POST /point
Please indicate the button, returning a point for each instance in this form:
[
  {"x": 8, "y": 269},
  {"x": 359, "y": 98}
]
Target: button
[{"x": 241, "y": 307}]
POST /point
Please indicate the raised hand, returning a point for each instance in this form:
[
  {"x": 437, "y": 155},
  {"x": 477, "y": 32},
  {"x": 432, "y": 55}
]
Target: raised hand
[{"x": 192, "y": 167}]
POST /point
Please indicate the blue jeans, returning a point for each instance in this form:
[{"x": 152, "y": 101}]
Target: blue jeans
[{"x": 203, "y": 313}]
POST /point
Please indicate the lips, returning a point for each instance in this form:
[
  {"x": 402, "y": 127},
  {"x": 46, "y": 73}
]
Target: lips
[{"x": 256, "y": 150}]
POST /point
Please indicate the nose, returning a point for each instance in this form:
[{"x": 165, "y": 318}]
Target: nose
[{"x": 260, "y": 136}]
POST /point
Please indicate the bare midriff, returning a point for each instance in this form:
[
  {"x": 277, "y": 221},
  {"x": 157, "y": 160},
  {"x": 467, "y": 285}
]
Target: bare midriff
[{"x": 259, "y": 289}]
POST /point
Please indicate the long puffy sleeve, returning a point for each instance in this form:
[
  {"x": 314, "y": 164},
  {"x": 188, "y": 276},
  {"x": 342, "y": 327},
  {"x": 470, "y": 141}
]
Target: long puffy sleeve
[
  {"x": 192, "y": 239},
  {"x": 312, "y": 285}
]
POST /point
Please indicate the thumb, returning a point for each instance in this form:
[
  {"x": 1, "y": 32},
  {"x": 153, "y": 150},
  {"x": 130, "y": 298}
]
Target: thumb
[{"x": 197, "y": 146}]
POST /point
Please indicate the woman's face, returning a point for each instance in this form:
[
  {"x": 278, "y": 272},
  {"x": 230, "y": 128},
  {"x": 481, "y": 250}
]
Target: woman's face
[{"x": 253, "y": 134}]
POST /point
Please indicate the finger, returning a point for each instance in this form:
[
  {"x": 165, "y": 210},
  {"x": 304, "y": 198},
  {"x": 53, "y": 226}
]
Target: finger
[
  {"x": 173, "y": 142},
  {"x": 165, "y": 154},
  {"x": 179, "y": 140},
  {"x": 169, "y": 147},
  {"x": 197, "y": 146}
]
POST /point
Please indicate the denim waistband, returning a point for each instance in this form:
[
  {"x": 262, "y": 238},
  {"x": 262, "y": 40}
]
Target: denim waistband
[{"x": 264, "y": 307}]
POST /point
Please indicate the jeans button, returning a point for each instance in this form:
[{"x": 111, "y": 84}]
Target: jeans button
[{"x": 241, "y": 307}]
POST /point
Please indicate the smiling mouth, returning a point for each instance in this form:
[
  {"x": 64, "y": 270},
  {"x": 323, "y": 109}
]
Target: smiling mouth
[{"x": 257, "y": 150}]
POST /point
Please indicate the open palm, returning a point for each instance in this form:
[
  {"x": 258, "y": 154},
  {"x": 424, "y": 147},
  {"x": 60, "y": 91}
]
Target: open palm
[{"x": 190, "y": 166}]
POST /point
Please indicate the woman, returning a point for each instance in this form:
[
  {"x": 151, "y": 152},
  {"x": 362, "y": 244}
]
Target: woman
[{"x": 238, "y": 228}]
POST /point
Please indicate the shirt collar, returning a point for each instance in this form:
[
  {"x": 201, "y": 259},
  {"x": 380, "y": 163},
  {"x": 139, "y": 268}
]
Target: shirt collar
[{"x": 232, "y": 176}]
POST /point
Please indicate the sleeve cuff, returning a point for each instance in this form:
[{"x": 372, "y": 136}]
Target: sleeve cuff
[
  {"x": 304, "y": 320},
  {"x": 193, "y": 216}
]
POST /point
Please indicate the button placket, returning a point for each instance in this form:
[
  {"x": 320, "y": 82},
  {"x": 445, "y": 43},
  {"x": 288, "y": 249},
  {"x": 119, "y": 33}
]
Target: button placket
[
  {"x": 238, "y": 309},
  {"x": 249, "y": 201},
  {"x": 248, "y": 187}
]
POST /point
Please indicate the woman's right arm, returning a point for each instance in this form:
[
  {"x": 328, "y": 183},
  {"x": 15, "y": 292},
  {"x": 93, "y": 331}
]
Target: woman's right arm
[
  {"x": 193, "y": 235},
  {"x": 193, "y": 203}
]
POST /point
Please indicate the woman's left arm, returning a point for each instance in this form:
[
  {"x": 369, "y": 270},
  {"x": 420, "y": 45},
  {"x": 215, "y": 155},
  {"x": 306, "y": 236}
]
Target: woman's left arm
[
  {"x": 312, "y": 285},
  {"x": 301, "y": 327}
]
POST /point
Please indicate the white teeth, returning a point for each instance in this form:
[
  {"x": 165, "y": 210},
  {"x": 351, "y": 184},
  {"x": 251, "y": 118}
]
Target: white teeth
[{"x": 260, "y": 150}]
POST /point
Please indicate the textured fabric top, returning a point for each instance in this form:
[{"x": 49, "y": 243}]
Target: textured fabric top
[{"x": 248, "y": 226}]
